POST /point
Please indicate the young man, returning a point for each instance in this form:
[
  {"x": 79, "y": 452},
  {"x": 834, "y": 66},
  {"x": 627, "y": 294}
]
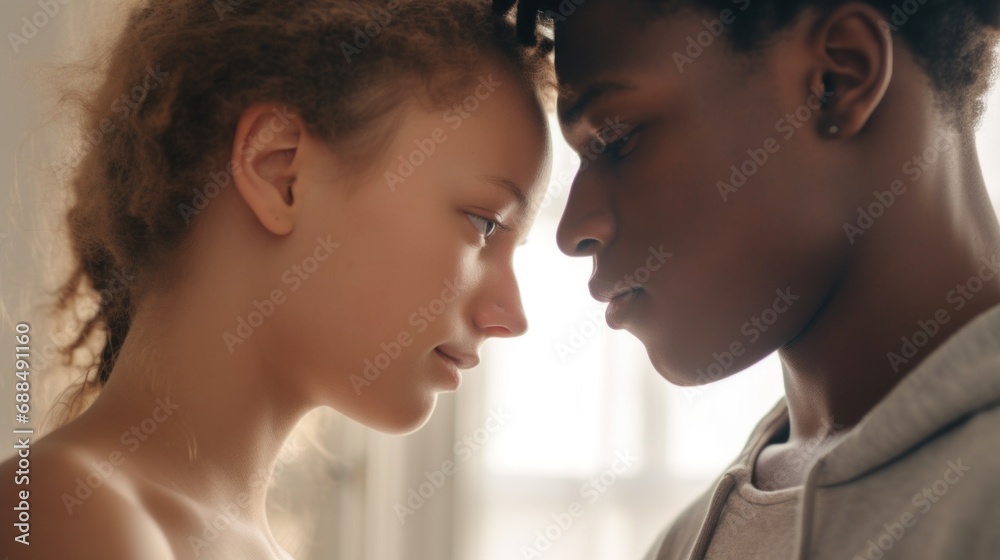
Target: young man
[{"x": 811, "y": 167}]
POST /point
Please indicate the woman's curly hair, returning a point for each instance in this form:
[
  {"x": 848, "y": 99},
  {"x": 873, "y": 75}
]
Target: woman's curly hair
[{"x": 178, "y": 78}]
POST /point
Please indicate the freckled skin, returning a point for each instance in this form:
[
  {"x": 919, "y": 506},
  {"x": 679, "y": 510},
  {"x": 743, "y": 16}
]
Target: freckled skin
[
  {"x": 356, "y": 265},
  {"x": 784, "y": 228}
]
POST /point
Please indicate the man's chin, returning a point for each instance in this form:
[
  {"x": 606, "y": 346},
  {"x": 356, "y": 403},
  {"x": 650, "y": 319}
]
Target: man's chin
[{"x": 686, "y": 371}]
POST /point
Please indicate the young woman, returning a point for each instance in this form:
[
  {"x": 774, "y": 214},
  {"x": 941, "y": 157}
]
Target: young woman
[
  {"x": 811, "y": 166},
  {"x": 293, "y": 205}
]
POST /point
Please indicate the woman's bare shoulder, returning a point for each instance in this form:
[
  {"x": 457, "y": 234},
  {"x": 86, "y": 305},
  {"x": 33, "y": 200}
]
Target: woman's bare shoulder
[{"x": 77, "y": 506}]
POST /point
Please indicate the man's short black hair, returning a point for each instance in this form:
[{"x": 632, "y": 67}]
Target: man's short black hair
[{"x": 954, "y": 40}]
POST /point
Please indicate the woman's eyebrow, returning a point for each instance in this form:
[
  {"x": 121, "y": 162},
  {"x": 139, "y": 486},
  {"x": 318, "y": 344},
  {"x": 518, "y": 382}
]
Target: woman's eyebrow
[{"x": 511, "y": 187}]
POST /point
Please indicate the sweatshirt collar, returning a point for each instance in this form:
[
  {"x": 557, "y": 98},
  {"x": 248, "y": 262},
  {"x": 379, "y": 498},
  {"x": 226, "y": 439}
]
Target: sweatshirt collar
[{"x": 956, "y": 380}]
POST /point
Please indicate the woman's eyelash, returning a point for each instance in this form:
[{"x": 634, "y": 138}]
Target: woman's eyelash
[{"x": 499, "y": 226}]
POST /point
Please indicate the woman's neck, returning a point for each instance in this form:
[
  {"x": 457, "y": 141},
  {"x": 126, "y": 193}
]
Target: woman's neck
[{"x": 190, "y": 415}]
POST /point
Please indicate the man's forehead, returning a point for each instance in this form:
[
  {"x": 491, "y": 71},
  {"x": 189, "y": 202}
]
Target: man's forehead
[
  {"x": 598, "y": 38},
  {"x": 596, "y": 49}
]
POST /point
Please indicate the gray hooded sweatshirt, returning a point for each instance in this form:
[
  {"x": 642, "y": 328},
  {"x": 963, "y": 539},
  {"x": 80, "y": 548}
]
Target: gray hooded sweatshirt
[{"x": 916, "y": 479}]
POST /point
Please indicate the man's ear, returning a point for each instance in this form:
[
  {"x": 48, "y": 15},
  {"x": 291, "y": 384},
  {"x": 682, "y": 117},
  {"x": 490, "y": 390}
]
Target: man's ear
[
  {"x": 265, "y": 150},
  {"x": 854, "y": 48}
]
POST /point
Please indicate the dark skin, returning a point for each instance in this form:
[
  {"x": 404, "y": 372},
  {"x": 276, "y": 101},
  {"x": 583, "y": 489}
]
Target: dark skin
[{"x": 658, "y": 183}]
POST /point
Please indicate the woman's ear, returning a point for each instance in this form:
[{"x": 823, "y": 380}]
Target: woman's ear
[
  {"x": 265, "y": 149},
  {"x": 855, "y": 51}
]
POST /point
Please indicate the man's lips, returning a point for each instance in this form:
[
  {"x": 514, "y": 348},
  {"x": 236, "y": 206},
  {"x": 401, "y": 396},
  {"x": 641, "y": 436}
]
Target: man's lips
[
  {"x": 619, "y": 308},
  {"x": 608, "y": 295}
]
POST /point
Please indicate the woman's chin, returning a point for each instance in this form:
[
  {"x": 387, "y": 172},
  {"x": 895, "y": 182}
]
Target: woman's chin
[{"x": 403, "y": 417}]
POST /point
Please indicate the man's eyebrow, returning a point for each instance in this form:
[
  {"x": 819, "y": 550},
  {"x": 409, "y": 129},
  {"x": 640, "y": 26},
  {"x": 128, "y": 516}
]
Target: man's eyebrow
[
  {"x": 510, "y": 186},
  {"x": 572, "y": 116}
]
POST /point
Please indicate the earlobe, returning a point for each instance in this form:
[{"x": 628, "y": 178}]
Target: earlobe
[
  {"x": 266, "y": 149},
  {"x": 856, "y": 53}
]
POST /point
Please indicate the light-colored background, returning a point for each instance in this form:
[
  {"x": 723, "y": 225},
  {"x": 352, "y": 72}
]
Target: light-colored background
[{"x": 572, "y": 392}]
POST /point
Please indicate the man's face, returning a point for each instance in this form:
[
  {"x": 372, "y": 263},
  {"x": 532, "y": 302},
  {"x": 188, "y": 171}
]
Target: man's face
[{"x": 702, "y": 192}]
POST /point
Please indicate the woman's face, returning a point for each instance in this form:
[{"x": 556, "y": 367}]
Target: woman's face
[{"x": 413, "y": 264}]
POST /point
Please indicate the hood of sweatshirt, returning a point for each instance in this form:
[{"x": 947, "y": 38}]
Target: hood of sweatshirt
[{"x": 958, "y": 379}]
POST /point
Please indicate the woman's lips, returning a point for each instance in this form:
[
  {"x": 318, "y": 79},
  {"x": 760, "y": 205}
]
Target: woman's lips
[
  {"x": 451, "y": 366},
  {"x": 463, "y": 360}
]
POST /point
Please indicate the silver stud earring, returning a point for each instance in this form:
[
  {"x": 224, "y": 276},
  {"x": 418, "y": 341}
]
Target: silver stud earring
[{"x": 834, "y": 129}]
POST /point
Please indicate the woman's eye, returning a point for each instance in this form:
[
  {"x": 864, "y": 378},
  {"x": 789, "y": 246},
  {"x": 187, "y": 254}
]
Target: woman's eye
[{"x": 486, "y": 227}]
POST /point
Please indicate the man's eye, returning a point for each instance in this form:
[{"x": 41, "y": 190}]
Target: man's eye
[
  {"x": 486, "y": 227},
  {"x": 623, "y": 146}
]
